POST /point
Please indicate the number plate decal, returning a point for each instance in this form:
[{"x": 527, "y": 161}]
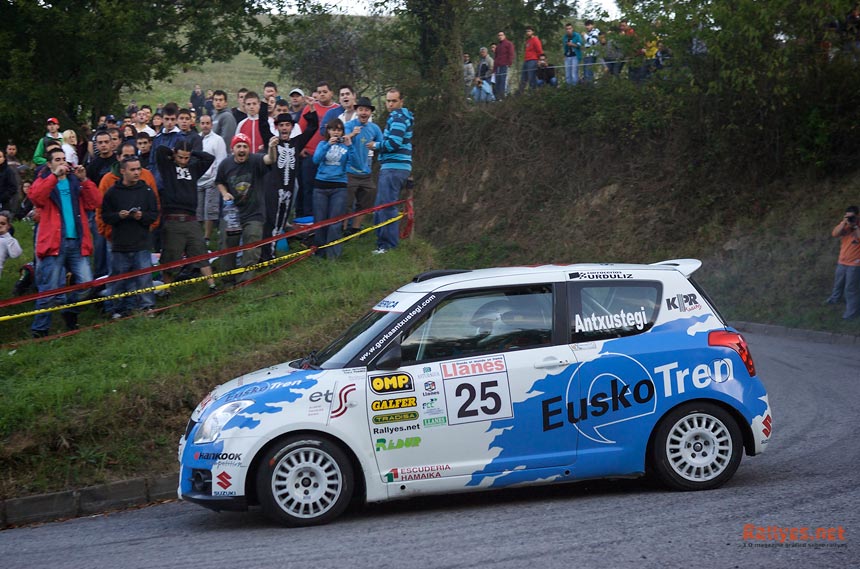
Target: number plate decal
[{"x": 477, "y": 389}]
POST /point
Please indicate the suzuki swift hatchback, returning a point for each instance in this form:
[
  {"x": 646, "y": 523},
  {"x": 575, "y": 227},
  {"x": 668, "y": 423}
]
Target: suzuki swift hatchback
[{"x": 465, "y": 380}]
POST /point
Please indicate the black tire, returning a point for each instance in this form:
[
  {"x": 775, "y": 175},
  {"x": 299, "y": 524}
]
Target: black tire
[
  {"x": 697, "y": 446},
  {"x": 304, "y": 481}
]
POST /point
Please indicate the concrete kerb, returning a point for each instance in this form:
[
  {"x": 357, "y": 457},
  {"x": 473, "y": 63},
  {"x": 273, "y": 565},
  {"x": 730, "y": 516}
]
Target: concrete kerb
[
  {"x": 87, "y": 501},
  {"x": 141, "y": 491}
]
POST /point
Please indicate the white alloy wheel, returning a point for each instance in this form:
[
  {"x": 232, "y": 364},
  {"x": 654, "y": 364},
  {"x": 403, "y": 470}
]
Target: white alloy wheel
[
  {"x": 699, "y": 447},
  {"x": 304, "y": 482},
  {"x": 696, "y": 446}
]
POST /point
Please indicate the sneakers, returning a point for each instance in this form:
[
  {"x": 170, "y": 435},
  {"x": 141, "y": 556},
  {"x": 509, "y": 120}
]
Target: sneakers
[
  {"x": 116, "y": 316},
  {"x": 213, "y": 287},
  {"x": 38, "y": 333},
  {"x": 379, "y": 251}
]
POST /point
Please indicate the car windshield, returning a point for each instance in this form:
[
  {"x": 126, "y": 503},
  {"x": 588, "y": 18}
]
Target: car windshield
[{"x": 346, "y": 346}]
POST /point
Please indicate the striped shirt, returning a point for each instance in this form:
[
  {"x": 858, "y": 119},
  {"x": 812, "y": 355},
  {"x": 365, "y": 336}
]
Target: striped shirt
[{"x": 395, "y": 152}]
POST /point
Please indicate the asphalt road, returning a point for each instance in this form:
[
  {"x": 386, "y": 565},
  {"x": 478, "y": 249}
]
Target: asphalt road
[{"x": 806, "y": 479}]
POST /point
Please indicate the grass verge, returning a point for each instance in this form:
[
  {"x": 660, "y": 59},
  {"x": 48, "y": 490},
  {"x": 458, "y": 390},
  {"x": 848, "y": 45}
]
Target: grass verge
[{"x": 110, "y": 403}]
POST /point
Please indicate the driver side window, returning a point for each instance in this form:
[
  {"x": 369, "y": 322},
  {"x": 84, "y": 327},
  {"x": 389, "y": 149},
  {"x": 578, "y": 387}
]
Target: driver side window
[{"x": 480, "y": 322}]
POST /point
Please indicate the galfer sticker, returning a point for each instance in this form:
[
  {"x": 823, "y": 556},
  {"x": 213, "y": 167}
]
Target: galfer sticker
[{"x": 398, "y": 301}]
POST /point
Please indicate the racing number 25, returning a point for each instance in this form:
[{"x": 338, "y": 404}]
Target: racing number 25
[
  {"x": 479, "y": 401},
  {"x": 469, "y": 390}
]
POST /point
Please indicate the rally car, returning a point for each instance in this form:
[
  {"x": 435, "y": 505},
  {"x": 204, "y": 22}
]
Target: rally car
[{"x": 466, "y": 380}]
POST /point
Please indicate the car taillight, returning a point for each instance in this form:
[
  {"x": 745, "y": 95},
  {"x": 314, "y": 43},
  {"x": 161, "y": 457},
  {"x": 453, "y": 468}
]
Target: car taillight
[{"x": 736, "y": 342}]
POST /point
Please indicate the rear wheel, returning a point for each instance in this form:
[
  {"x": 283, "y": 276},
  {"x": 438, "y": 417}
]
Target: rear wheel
[
  {"x": 697, "y": 446},
  {"x": 304, "y": 481}
]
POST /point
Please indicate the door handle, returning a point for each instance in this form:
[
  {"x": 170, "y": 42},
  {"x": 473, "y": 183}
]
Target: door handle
[{"x": 555, "y": 362}]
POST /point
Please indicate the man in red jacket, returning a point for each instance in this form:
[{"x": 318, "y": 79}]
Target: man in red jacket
[
  {"x": 503, "y": 58},
  {"x": 534, "y": 50},
  {"x": 63, "y": 240}
]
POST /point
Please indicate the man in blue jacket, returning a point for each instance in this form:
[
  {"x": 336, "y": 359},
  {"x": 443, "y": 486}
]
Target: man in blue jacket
[
  {"x": 360, "y": 189},
  {"x": 395, "y": 159}
]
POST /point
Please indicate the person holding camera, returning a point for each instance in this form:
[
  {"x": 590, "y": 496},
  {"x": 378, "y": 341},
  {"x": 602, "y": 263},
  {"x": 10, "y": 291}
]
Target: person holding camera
[
  {"x": 130, "y": 207},
  {"x": 846, "y": 285},
  {"x": 332, "y": 156},
  {"x": 64, "y": 241}
]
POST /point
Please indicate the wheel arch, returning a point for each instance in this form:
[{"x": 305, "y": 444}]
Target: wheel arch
[
  {"x": 743, "y": 425},
  {"x": 359, "y": 480}
]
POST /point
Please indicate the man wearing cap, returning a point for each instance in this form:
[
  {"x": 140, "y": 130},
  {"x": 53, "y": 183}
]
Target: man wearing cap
[
  {"x": 297, "y": 104},
  {"x": 180, "y": 168},
  {"x": 240, "y": 179},
  {"x": 360, "y": 188},
  {"x": 223, "y": 121},
  {"x": 64, "y": 241},
  {"x": 281, "y": 184},
  {"x": 53, "y": 126},
  {"x": 395, "y": 159}
]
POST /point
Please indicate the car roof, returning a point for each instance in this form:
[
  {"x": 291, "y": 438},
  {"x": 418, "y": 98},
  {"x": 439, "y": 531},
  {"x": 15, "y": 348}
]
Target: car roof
[{"x": 436, "y": 280}]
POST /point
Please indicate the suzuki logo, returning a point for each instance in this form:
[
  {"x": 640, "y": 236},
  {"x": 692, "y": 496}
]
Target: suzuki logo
[
  {"x": 766, "y": 426},
  {"x": 224, "y": 480}
]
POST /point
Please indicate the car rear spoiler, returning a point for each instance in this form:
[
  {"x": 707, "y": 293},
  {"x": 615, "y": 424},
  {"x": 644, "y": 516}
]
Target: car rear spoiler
[{"x": 684, "y": 266}]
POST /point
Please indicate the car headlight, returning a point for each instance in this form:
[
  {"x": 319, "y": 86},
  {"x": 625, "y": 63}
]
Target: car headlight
[{"x": 211, "y": 428}]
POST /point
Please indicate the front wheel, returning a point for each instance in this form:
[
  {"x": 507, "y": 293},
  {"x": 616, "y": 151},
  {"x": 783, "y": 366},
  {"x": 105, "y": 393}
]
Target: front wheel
[
  {"x": 697, "y": 446},
  {"x": 304, "y": 481}
]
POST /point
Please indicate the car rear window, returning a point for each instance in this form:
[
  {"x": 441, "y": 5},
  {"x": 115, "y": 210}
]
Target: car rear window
[{"x": 599, "y": 311}]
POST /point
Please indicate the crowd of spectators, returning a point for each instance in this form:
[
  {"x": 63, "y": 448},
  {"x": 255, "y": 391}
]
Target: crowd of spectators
[
  {"x": 588, "y": 53},
  {"x": 156, "y": 184}
]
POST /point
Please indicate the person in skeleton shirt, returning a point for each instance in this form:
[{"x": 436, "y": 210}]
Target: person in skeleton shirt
[{"x": 281, "y": 182}]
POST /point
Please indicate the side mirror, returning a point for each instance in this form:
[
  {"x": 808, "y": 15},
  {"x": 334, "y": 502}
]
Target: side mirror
[{"x": 391, "y": 359}]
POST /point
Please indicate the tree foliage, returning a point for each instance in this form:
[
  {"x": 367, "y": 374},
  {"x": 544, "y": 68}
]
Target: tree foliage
[{"x": 72, "y": 58}]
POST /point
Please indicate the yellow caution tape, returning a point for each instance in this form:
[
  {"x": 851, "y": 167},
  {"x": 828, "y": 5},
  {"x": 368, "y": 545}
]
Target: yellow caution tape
[{"x": 202, "y": 278}]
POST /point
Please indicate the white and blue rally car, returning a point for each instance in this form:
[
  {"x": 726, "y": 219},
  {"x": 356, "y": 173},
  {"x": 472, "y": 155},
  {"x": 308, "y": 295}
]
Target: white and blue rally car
[{"x": 465, "y": 380}]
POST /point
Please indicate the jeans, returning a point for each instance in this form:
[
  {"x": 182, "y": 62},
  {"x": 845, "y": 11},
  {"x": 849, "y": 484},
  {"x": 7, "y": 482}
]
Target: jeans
[
  {"x": 101, "y": 254},
  {"x": 251, "y": 231},
  {"x": 51, "y": 274},
  {"x": 125, "y": 262},
  {"x": 528, "y": 75},
  {"x": 552, "y": 82},
  {"x": 588, "y": 63},
  {"x": 388, "y": 190},
  {"x": 846, "y": 285},
  {"x": 307, "y": 171},
  {"x": 501, "y": 78},
  {"x": 328, "y": 204},
  {"x": 571, "y": 69},
  {"x": 615, "y": 67}
]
